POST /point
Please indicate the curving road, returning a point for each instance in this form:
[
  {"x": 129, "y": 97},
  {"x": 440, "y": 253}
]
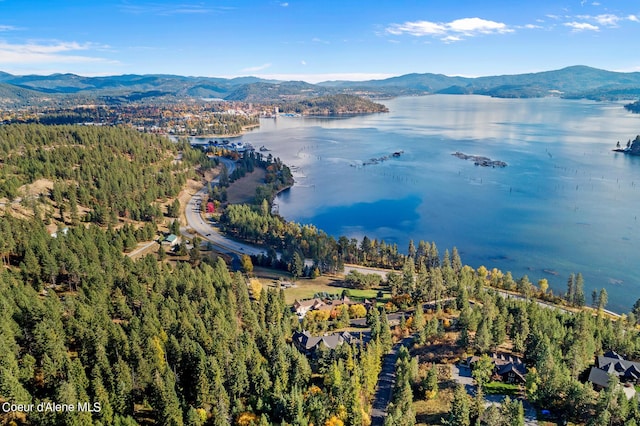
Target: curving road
[{"x": 207, "y": 231}]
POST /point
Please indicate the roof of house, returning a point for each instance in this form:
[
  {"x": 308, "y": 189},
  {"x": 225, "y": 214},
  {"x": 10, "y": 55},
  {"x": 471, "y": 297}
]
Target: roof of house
[
  {"x": 308, "y": 342},
  {"x": 498, "y": 359},
  {"x": 613, "y": 363},
  {"x": 599, "y": 377},
  {"x": 502, "y": 358},
  {"x": 171, "y": 238},
  {"x": 308, "y": 304},
  {"x": 518, "y": 369},
  {"x": 613, "y": 354},
  {"x": 605, "y": 360}
]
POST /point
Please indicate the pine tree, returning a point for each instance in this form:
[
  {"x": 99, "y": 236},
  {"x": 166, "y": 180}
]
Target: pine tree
[
  {"x": 459, "y": 413},
  {"x": 483, "y": 337},
  {"x": 431, "y": 383},
  {"x": 579, "y": 299},
  {"x": 571, "y": 288},
  {"x": 385, "y": 332},
  {"x": 603, "y": 298}
]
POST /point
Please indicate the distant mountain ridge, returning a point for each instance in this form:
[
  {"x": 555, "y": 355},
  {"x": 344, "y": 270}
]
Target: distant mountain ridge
[{"x": 572, "y": 82}]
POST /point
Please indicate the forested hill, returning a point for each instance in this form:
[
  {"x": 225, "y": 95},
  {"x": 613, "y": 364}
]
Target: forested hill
[
  {"x": 147, "y": 342},
  {"x": 572, "y": 82},
  {"x": 94, "y": 174},
  {"x": 333, "y": 104}
]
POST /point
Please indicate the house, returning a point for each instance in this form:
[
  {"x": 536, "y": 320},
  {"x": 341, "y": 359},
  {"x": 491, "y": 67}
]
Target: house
[
  {"x": 171, "y": 240},
  {"x": 302, "y": 307},
  {"x": 509, "y": 368},
  {"x": 308, "y": 344},
  {"x": 612, "y": 363},
  {"x": 512, "y": 373}
]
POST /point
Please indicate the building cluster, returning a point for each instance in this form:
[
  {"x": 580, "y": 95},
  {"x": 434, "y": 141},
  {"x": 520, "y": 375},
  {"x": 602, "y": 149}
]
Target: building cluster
[{"x": 179, "y": 119}]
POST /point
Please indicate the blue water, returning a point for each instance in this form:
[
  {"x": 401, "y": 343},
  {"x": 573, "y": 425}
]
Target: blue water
[{"x": 565, "y": 203}]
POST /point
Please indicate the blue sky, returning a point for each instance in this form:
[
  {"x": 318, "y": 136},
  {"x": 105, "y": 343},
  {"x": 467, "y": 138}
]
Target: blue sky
[{"x": 316, "y": 41}]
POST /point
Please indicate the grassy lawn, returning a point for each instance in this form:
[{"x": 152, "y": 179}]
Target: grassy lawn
[
  {"x": 306, "y": 288},
  {"x": 499, "y": 388},
  {"x": 244, "y": 189},
  {"x": 366, "y": 294}
]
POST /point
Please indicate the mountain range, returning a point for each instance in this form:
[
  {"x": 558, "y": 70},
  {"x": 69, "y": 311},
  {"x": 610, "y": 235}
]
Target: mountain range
[{"x": 571, "y": 82}]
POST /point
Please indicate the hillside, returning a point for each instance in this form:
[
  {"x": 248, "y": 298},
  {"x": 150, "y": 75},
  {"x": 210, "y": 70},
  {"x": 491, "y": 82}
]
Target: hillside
[
  {"x": 97, "y": 174},
  {"x": 572, "y": 82},
  {"x": 16, "y": 96}
]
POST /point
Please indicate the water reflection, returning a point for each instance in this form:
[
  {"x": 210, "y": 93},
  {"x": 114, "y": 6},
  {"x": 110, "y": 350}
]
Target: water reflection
[{"x": 564, "y": 204}]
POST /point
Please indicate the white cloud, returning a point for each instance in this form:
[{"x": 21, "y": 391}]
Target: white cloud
[
  {"x": 469, "y": 26},
  {"x": 608, "y": 20},
  {"x": 170, "y": 9},
  {"x": 303, "y": 62},
  {"x": 449, "y": 31},
  {"x": 55, "y": 52},
  {"x": 418, "y": 28},
  {"x": 254, "y": 69},
  {"x": 451, "y": 39},
  {"x": 284, "y": 4},
  {"x": 581, "y": 26},
  {"x": 7, "y": 28}
]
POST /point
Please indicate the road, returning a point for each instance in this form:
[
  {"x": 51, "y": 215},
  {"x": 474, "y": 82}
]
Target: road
[
  {"x": 207, "y": 231},
  {"x": 383, "y": 273},
  {"x": 142, "y": 249},
  {"x": 386, "y": 380}
]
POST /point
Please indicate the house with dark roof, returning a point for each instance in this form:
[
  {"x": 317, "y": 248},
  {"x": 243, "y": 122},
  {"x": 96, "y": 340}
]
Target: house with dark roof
[
  {"x": 509, "y": 368},
  {"x": 308, "y": 344},
  {"x": 613, "y": 364}
]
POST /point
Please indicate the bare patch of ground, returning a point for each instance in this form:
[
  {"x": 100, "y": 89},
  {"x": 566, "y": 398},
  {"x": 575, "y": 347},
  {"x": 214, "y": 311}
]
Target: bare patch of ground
[
  {"x": 244, "y": 189},
  {"x": 38, "y": 187}
]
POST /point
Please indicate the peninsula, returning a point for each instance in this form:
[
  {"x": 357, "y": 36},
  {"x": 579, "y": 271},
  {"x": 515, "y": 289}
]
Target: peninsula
[
  {"x": 341, "y": 104},
  {"x": 632, "y": 148}
]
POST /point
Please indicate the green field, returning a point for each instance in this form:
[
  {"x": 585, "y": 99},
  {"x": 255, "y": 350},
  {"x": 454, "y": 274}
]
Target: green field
[
  {"x": 306, "y": 288},
  {"x": 499, "y": 388}
]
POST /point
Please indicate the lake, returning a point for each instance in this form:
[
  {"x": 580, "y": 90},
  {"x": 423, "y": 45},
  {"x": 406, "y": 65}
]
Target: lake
[{"x": 565, "y": 203}]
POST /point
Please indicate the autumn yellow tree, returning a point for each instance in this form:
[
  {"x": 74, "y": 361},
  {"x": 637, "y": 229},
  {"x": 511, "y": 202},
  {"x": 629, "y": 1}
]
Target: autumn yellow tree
[{"x": 543, "y": 284}]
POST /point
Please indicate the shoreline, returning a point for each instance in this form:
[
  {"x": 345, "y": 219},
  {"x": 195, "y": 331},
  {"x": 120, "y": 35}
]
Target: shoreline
[{"x": 244, "y": 131}]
